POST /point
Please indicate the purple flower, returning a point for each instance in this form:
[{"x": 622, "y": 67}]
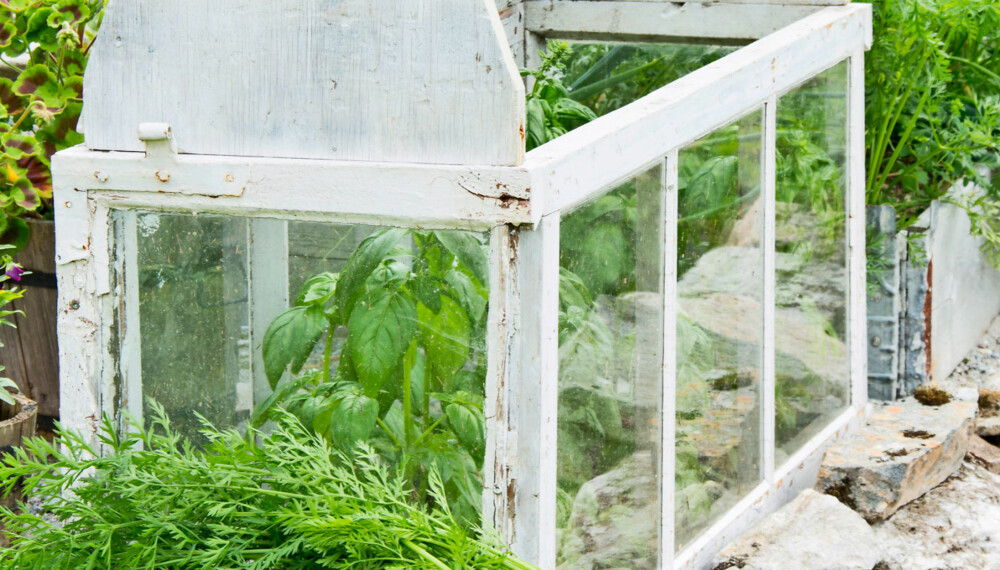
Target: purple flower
[{"x": 14, "y": 272}]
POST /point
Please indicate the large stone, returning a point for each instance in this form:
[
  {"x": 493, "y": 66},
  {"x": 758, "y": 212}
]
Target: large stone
[
  {"x": 955, "y": 526},
  {"x": 813, "y": 531},
  {"x": 904, "y": 450},
  {"x": 984, "y": 454}
]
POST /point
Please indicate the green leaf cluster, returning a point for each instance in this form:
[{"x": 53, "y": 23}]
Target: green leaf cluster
[
  {"x": 151, "y": 499},
  {"x": 43, "y": 52},
  {"x": 409, "y": 378},
  {"x": 932, "y": 89}
]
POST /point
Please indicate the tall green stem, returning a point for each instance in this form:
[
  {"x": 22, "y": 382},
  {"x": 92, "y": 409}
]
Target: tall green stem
[{"x": 328, "y": 353}]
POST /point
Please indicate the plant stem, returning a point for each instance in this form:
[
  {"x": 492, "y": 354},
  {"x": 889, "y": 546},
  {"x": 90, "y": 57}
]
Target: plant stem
[
  {"x": 424, "y": 554},
  {"x": 328, "y": 353}
]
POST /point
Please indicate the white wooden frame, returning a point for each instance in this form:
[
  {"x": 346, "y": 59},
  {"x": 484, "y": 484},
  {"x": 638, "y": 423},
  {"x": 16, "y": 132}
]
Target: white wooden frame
[{"x": 520, "y": 205}]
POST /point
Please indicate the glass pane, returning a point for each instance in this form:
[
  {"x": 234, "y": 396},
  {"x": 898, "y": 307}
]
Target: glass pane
[
  {"x": 608, "y": 76},
  {"x": 194, "y": 316},
  {"x": 719, "y": 324},
  {"x": 610, "y": 378},
  {"x": 811, "y": 360},
  {"x": 386, "y": 333}
]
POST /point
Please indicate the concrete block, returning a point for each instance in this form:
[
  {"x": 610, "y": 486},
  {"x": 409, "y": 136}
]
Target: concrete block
[
  {"x": 813, "y": 531},
  {"x": 904, "y": 450}
]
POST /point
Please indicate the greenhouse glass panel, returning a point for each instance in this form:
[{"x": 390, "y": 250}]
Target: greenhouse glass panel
[
  {"x": 720, "y": 319},
  {"x": 192, "y": 286},
  {"x": 419, "y": 297},
  {"x": 610, "y": 377},
  {"x": 812, "y": 369},
  {"x": 651, "y": 350},
  {"x": 608, "y": 76}
]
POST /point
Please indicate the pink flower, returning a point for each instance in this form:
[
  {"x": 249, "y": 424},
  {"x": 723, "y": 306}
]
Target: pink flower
[{"x": 14, "y": 272}]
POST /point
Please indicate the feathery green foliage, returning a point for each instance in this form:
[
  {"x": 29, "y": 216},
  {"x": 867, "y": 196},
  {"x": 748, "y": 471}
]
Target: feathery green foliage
[{"x": 292, "y": 501}]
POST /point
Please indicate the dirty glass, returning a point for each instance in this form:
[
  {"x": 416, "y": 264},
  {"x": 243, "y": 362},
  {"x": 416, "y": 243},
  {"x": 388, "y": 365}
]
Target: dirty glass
[
  {"x": 398, "y": 360},
  {"x": 192, "y": 288},
  {"x": 720, "y": 318},
  {"x": 610, "y": 378},
  {"x": 811, "y": 357}
]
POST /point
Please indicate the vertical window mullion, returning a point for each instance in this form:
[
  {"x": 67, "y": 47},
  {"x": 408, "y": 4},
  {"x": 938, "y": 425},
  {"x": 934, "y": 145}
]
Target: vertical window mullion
[
  {"x": 268, "y": 289},
  {"x": 668, "y": 405},
  {"x": 855, "y": 207},
  {"x": 130, "y": 360},
  {"x": 768, "y": 172}
]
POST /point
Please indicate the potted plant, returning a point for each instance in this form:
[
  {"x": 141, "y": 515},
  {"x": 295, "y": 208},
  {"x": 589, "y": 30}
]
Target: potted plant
[
  {"x": 17, "y": 411},
  {"x": 43, "y": 52}
]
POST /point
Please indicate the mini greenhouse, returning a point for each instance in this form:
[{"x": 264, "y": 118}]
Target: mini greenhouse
[{"x": 622, "y": 347}]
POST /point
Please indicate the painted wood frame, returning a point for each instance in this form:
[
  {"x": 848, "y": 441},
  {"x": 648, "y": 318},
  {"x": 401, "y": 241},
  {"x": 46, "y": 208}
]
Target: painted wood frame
[
  {"x": 520, "y": 205},
  {"x": 726, "y": 23}
]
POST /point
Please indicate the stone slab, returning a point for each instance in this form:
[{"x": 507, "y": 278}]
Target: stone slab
[
  {"x": 984, "y": 454},
  {"x": 955, "y": 526},
  {"x": 905, "y": 450},
  {"x": 813, "y": 531},
  {"x": 988, "y": 427}
]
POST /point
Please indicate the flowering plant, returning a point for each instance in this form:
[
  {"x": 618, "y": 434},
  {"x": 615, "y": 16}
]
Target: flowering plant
[
  {"x": 43, "y": 51},
  {"x": 11, "y": 271}
]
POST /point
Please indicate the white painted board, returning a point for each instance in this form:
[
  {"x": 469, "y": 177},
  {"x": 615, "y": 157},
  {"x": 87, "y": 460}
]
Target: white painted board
[{"x": 426, "y": 81}]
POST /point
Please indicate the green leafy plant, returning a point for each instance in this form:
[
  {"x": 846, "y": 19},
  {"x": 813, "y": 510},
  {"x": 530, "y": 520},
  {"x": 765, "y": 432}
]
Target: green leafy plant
[
  {"x": 11, "y": 271},
  {"x": 44, "y": 44},
  {"x": 410, "y": 375},
  {"x": 932, "y": 89},
  {"x": 154, "y": 500}
]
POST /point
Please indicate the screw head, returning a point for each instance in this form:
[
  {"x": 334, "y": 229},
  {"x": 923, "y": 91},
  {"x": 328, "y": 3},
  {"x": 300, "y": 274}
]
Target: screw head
[
  {"x": 162, "y": 175},
  {"x": 876, "y": 341},
  {"x": 74, "y": 305}
]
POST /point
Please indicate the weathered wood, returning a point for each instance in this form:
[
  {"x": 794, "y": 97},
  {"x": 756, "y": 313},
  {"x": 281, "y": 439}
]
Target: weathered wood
[
  {"x": 428, "y": 81},
  {"x": 463, "y": 197},
  {"x": 17, "y": 422},
  {"x": 578, "y": 165},
  {"x": 30, "y": 352},
  {"x": 660, "y": 21}
]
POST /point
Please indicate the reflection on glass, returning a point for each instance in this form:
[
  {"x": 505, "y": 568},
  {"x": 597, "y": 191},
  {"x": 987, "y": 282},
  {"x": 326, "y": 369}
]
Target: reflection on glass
[
  {"x": 610, "y": 378},
  {"x": 607, "y": 76},
  {"x": 401, "y": 314},
  {"x": 719, "y": 324},
  {"x": 194, "y": 316},
  {"x": 811, "y": 363}
]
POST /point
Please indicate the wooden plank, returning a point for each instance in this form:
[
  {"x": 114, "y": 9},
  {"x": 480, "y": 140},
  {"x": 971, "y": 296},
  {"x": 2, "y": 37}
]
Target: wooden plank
[
  {"x": 30, "y": 352},
  {"x": 11, "y": 355},
  {"x": 512, "y": 18},
  {"x": 424, "y": 81},
  {"x": 534, "y": 388},
  {"x": 820, "y": 3},
  {"x": 576, "y": 166},
  {"x": 857, "y": 321},
  {"x": 462, "y": 197},
  {"x": 498, "y": 408},
  {"x": 661, "y": 21}
]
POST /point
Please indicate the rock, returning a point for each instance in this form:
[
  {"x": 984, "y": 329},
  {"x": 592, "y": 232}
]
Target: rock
[
  {"x": 984, "y": 454},
  {"x": 988, "y": 427},
  {"x": 813, "y": 531},
  {"x": 955, "y": 526},
  {"x": 615, "y": 518},
  {"x": 904, "y": 450}
]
